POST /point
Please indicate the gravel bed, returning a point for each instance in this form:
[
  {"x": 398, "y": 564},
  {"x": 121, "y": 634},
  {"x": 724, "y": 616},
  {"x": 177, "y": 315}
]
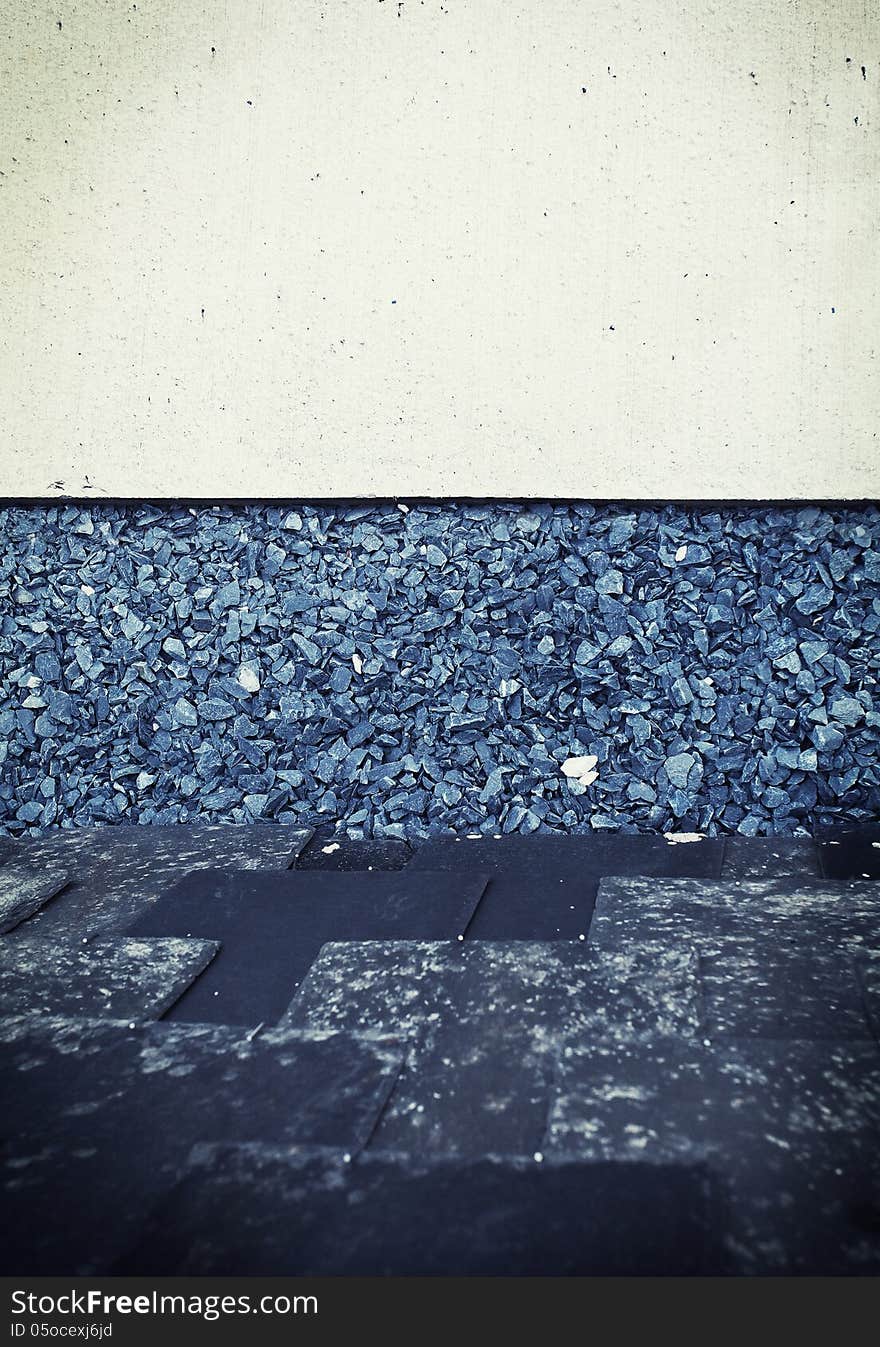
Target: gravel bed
[{"x": 411, "y": 669}]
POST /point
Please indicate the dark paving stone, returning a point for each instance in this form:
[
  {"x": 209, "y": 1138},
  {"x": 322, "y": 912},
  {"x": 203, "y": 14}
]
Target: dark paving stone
[
  {"x": 8, "y": 849},
  {"x": 365, "y": 986},
  {"x": 771, "y": 858},
  {"x": 271, "y": 928},
  {"x": 110, "y": 977},
  {"x": 256, "y": 1211},
  {"x": 767, "y": 992},
  {"x": 485, "y": 1021},
  {"x": 850, "y": 855},
  {"x": 341, "y": 853},
  {"x": 808, "y": 913},
  {"x": 25, "y": 891},
  {"x": 117, "y": 872},
  {"x": 791, "y": 1129},
  {"x": 99, "y": 1118},
  {"x": 544, "y": 888},
  {"x": 479, "y": 1078}
]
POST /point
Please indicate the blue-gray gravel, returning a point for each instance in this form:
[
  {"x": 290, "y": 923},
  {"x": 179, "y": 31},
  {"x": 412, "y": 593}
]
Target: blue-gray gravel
[{"x": 405, "y": 670}]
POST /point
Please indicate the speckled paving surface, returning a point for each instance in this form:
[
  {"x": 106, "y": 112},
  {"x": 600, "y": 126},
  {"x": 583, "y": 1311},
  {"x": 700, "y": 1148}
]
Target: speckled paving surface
[{"x": 690, "y": 1084}]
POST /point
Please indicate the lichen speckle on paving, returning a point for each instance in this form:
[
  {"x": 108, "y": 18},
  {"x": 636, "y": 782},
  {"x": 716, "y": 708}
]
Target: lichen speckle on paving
[{"x": 403, "y": 670}]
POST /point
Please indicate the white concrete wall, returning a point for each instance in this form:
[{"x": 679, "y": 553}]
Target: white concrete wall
[{"x": 568, "y": 248}]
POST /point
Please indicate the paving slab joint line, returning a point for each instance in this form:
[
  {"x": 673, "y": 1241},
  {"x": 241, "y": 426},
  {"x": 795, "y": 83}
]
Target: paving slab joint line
[
  {"x": 462, "y": 934},
  {"x": 867, "y": 1010},
  {"x": 294, "y": 860},
  {"x": 389, "y": 1086},
  {"x": 699, "y": 992},
  {"x": 553, "y": 1091},
  {"x": 412, "y": 1043},
  {"x": 13, "y": 923}
]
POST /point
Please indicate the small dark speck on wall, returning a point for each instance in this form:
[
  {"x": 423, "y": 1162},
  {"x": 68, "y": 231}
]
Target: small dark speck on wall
[{"x": 60, "y": 25}]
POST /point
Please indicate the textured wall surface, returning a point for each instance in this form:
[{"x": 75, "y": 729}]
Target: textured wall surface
[{"x": 574, "y": 249}]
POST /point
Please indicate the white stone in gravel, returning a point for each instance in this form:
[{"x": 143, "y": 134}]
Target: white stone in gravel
[
  {"x": 683, "y": 837},
  {"x": 358, "y": 663},
  {"x": 581, "y": 767},
  {"x": 249, "y": 677},
  {"x": 681, "y": 553}
]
